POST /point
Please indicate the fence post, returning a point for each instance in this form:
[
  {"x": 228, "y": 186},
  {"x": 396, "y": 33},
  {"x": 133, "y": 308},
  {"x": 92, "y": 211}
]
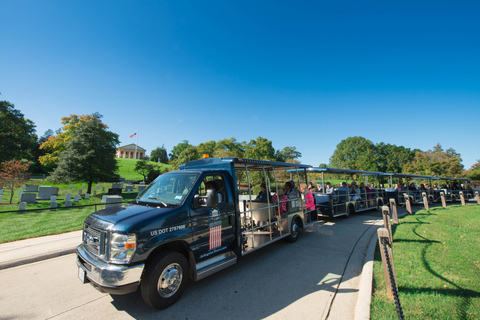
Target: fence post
[
  {"x": 477, "y": 196},
  {"x": 462, "y": 198},
  {"x": 408, "y": 205},
  {"x": 425, "y": 201},
  {"x": 444, "y": 203},
  {"x": 383, "y": 234},
  {"x": 386, "y": 221},
  {"x": 393, "y": 209}
]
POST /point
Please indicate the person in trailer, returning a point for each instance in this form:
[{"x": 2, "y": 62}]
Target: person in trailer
[
  {"x": 281, "y": 200},
  {"x": 330, "y": 189},
  {"x": 290, "y": 190},
  {"x": 308, "y": 196},
  {"x": 263, "y": 195}
]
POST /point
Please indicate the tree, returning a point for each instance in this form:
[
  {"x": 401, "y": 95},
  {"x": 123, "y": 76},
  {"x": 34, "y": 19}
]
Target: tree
[
  {"x": 55, "y": 144},
  {"x": 391, "y": 158},
  {"x": 178, "y": 149},
  {"x": 89, "y": 153},
  {"x": 288, "y": 153},
  {"x": 355, "y": 153},
  {"x": 436, "y": 162},
  {"x": 229, "y": 148},
  {"x": 13, "y": 174},
  {"x": 17, "y": 134},
  {"x": 261, "y": 149},
  {"x": 159, "y": 155},
  {"x": 188, "y": 154},
  {"x": 474, "y": 171},
  {"x": 206, "y": 148},
  {"x": 143, "y": 168}
]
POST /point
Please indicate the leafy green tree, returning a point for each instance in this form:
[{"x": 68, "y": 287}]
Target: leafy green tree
[
  {"x": 436, "y": 162},
  {"x": 13, "y": 173},
  {"x": 391, "y": 158},
  {"x": 261, "y": 149},
  {"x": 206, "y": 148},
  {"x": 159, "y": 155},
  {"x": 178, "y": 149},
  {"x": 188, "y": 154},
  {"x": 355, "y": 153},
  {"x": 143, "y": 168},
  {"x": 229, "y": 148},
  {"x": 288, "y": 153},
  {"x": 474, "y": 171},
  {"x": 89, "y": 153},
  {"x": 17, "y": 134}
]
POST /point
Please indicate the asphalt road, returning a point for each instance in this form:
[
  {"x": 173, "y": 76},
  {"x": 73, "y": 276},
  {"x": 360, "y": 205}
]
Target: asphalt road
[{"x": 280, "y": 281}]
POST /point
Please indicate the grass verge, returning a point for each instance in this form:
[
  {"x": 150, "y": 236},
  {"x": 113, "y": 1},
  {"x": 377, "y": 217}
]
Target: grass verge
[{"x": 437, "y": 262}]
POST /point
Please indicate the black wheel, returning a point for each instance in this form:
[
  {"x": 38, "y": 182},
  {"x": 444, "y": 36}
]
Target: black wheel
[
  {"x": 294, "y": 230},
  {"x": 350, "y": 211},
  {"x": 165, "y": 279}
]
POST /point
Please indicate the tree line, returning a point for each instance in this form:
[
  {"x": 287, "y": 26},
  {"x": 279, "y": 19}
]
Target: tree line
[{"x": 84, "y": 149}]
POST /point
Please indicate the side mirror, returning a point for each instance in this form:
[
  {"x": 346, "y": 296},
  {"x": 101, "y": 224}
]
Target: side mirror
[{"x": 210, "y": 200}]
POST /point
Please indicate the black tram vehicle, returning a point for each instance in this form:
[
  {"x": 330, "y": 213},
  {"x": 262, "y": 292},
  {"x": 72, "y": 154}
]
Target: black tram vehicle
[{"x": 346, "y": 200}]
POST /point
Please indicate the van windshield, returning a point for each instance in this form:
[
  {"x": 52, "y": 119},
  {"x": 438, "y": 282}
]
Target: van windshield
[{"x": 169, "y": 188}]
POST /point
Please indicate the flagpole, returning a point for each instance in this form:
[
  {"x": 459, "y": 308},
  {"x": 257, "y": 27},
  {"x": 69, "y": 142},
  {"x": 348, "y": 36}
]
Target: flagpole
[{"x": 136, "y": 143}]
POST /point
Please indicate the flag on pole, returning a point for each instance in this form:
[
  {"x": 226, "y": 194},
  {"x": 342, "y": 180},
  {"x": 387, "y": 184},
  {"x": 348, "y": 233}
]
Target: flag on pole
[{"x": 133, "y": 135}]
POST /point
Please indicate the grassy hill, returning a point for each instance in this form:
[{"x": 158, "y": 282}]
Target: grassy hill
[{"x": 126, "y": 168}]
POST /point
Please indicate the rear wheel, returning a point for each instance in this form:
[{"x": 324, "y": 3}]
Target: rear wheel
[
  {"x": 165, "y": 279},
  {"x": 350, "y": 210},
  {"x": 294, "y": 230}
]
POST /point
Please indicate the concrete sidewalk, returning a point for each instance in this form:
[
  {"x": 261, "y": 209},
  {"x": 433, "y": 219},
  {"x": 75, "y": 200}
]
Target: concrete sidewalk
[{"x": 21, "y": 252}]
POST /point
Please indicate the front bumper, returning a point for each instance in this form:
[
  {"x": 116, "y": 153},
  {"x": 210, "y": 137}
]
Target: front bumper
[{"x": 106, "y": 277}]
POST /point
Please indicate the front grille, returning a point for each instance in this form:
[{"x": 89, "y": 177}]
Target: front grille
[{"x": 94, "y": 240}]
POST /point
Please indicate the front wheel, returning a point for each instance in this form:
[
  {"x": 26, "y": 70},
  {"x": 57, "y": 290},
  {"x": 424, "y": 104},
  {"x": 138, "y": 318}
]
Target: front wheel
[{"x": 165, "y": 279}]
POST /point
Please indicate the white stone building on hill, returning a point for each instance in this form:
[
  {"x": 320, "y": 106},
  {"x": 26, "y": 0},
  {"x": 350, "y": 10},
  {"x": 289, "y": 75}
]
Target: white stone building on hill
[{"x": 128, "y": 151}]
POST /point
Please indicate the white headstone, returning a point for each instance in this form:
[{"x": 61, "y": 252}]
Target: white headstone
[
  {"x": 83, "y": 185},
  {"x": 31, "y": 188},
  {"x": 103, "y": 188},
  {"x": 68, "y": 203},
  {"x": 80, "y": 192},
  {"x": 23, "y": 186},
  {"x": 1, "y": 198},
  {"x": 128, "y": 191},
  {"x": 28, "y": 198},
  {"x": 1, "y": 192},
  {"x": 76, "y": 198},
  {"x": 53, "y": 198},
  {"x": 104, "y": 198},
  {"x": 22, "y": 206},
  {"x": 53, "y": 205},
  {"x": 141, "y": 188},
  {"x": 87, "y": 196},
  {"x": 96, "y": 186},
  {"x": 74, "y": 188},
  {"x": 113, "y": 201},
  {"x": 71, "y": 185},
  {"x": 68, "y": 196},
  {"x": 20, "y": 192},
  {"x": 44, "y": 193}
]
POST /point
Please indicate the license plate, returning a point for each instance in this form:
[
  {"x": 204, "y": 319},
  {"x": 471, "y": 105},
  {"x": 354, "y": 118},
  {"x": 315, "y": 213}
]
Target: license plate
[{"x": 81, "y": 275}]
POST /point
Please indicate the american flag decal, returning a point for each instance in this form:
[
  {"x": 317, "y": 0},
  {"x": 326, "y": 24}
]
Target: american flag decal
[{"x": 215, "y": 225}]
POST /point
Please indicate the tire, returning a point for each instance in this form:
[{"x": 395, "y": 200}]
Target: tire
[
  {"x": 165, "y": 280},
  {"x": 350, "y": 211},
  {"x": 294, "y": 230}
]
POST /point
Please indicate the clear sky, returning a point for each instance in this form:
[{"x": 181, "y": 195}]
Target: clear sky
[{"x": 300, "y": 73}]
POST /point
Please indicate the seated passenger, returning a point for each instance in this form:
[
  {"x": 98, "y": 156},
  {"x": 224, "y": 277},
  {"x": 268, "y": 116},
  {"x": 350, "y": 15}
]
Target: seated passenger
[
  {"x": 343, "y": 187},
  {"x": 211, "y": 185},
  {"x": 282, "y": 200},
  {"x": 263, "y": 195},
  {"x": 311, "y": 187},
  {"x": 354, "y": 192},
  {"x": 290, "y": 191},
  {"x": 329, "y": 189},
  {"x": 308, "y": 196}
]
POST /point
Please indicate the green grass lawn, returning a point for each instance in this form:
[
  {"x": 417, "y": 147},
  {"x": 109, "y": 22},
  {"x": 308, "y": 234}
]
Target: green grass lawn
[
  {"x": 126, "y": 168},
  {"x": 437, "y": 262}
]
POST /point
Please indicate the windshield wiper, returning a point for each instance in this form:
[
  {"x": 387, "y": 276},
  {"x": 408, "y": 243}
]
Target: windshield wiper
[{"x": 159, "y": 200}]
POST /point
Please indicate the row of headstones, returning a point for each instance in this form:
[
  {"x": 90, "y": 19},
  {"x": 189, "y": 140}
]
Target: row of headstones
[{"x": 109, "y": 201}]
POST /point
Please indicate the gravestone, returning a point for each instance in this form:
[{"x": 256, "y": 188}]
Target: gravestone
[
  {"x": 128, "y": 191},
  {"x": 31, "y": 188},
  {"x": 87, "y": 196},
  {"x": 76, "y": 198},
  {"x": 113, "y": 201},
  {"x": 22, "y": 206},
  {"x": 80, "y": 192},
  {"x": 53, "y": 198},
  {"x": 96, "y": 186},
  {"x": 53, "y": 205},
  {"x": 44, "y": 193},
  {"x": 129, "y": 187},
  {"x": 1, "y": 198},
  {"x": 68, "y": 196},
  {"x": 103, "y": 189},
  {"x": 23, "y": 186},
  {"x": 141, "y": 188},
  {"x": 28, "y": 198},
  {"x": 68, "y": 203},
  {"x": 55, "y": 191},
  {"x": 117, "y": 185},
  {"x": 74, "y": 188},
  {"x": 94, "y": 191},
  {"x": 104, "y": 199},
  {"x": 121, "y": 179},
  {"x": 1, "y": 192},
  {"x": 83, "y": 185},
  {"x": 71, "y": 185},
  {"x": 142, "y": 183},
  {"x": 20, "y": 192}
]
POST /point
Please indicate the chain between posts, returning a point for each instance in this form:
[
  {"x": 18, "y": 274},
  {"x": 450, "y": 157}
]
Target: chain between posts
[{"x": 391, "y": 274}]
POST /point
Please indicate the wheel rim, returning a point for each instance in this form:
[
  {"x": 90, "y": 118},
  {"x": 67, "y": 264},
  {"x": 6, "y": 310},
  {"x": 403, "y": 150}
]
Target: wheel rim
[
  {"x": 294, "y": 229},
  {"x": 170, "y": 280}
]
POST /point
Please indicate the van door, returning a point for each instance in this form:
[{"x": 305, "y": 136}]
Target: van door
[{"x": 212, "y": 225}]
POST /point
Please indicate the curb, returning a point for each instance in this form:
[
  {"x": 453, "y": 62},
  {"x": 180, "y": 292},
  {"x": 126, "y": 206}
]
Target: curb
[{"x": 36, "y": 258}]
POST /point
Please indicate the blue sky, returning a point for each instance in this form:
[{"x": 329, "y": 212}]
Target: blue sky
[{"x": 300, "y": 73}]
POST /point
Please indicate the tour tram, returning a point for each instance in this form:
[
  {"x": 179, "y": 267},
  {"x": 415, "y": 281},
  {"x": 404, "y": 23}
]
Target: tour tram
[{"x": 346, "y": 200}]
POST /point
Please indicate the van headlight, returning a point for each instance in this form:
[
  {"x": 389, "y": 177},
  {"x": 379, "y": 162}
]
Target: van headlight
[{"x": 122, "y": 247}]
